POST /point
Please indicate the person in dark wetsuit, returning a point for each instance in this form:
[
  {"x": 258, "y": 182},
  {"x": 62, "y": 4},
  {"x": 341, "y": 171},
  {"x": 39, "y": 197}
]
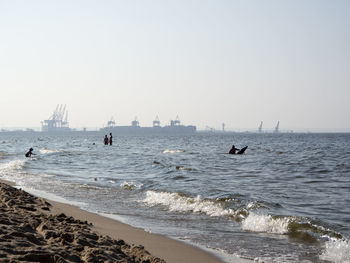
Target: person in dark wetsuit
[
  {"x": 110, "y": 139},
  {"x": 106, "y": 140},
  {"x": 233, "y": 150},
  {"x": 29, "y": 153}
]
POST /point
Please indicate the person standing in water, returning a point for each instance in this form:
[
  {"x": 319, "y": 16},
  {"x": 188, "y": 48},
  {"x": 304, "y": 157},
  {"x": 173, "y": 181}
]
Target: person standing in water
[
  {"x": 105, "y": 140},
  {"x": 110, "y": 138},
  {"x": 29, "y": 153}
]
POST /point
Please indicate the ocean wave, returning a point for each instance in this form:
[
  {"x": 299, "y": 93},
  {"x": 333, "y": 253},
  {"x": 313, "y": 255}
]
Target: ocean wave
[
  {"x": 295, "y": 227},
  {"x": 246, "y": 215},
  {"x": 12, "y": 166},
  {"x": 47, "y": 151},
  {"x": 173, "y": 151},
  {"x": 182, "y": 203},
  {"x": 310, "y": 231},
  {"x": 337, "y": 251},
  {"x": 266, "y": 224}
]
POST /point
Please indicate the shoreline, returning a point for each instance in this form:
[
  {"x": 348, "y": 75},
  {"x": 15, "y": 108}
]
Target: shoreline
[{"x": 159, "y": 246}]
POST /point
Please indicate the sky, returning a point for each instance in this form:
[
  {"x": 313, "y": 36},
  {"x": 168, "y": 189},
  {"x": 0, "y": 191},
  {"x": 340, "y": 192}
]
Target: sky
[{"x": 237, "y": 62}]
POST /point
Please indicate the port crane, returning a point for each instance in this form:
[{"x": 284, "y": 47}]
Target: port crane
[
  {"x": 175, "y": 122},
  {"x": 111, "y": 122},
  {"x": 135, "y": 123},
  {"x": 156, "y": 122},
  {"x": 58, "y": 121},
  {"x": 260, "y": 127},
  {"x": 277, "y": 127}
]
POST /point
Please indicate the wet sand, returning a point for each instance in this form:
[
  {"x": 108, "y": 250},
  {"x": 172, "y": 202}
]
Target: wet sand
[{"x": 33, "y": 229}]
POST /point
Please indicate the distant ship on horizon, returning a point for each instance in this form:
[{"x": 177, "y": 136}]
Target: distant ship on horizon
[{"x": 175, "y": 127}]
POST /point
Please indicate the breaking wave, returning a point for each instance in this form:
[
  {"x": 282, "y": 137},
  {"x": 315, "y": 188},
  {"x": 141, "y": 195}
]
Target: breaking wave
[
  {"x": 12, "y": 166},
  {"x": 336, "y": 251},
  {"x": 182, "y": 203},
  {"x": 294, "y": 227},
  {"x": 266, "y": 224}
]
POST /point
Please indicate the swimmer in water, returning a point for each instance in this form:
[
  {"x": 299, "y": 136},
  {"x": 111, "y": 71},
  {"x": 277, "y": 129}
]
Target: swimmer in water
[{"x": 233, "y": 150}]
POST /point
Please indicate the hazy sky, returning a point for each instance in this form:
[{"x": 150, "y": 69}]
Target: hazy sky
[{"x": 209, "y": 62}]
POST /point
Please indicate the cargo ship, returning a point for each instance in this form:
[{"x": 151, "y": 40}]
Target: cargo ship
[{"x": 175, "y": 127}]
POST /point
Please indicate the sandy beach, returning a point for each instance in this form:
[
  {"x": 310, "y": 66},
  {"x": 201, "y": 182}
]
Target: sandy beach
[{"x": 33, "y": 229}]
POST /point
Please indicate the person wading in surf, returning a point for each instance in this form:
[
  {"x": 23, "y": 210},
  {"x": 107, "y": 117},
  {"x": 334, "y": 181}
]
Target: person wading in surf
[
  {"x": 30, "y": 153},
  {"x": 110, "y": 139}
]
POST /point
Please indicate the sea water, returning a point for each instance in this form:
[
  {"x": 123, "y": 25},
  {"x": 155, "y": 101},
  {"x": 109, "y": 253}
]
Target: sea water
[{"x": 287, "y": 199}]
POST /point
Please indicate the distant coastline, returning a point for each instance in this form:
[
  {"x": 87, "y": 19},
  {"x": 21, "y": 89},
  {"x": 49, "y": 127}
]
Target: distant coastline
[{"x": 162, "y": 130}]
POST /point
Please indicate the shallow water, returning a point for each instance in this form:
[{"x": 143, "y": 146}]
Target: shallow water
[{"x": 285, "y": 200}]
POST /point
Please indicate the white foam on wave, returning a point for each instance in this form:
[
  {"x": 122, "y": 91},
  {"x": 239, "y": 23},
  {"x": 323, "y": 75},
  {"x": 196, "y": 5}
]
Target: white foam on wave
[
  {"x": 337, "y": 251},
  {"x": 179, "y": 203},
  {"x": 13, "y": 172},
  {"x": 12, "y": 166},
  {"x": 173, "y": 151},
  {"x": 253, "y": 222},
  {"x": 47, "y": 151},
  {"x": 265, "y": 224}
]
